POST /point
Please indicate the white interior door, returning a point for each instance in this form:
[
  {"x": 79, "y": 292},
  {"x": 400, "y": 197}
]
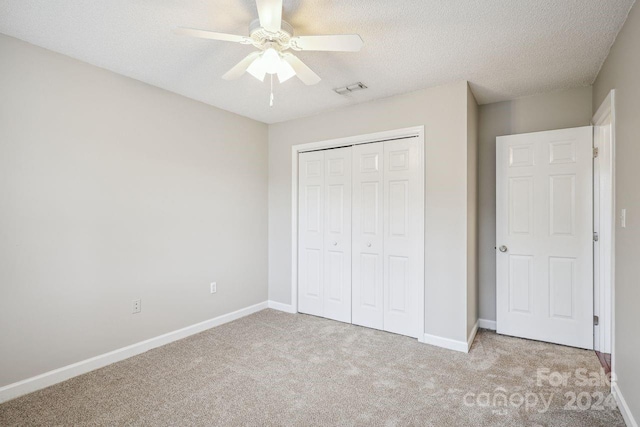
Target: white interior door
[
  {"x": 544, "y": 211},
  {"x": 311, "y": 233},
  {"x": 403, "y": 284},
  {"x": 368, "y": 237},
  {"x": 337, "y": 234}
]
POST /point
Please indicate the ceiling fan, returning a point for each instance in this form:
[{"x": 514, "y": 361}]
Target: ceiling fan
[{"x": 274, "y": 37}]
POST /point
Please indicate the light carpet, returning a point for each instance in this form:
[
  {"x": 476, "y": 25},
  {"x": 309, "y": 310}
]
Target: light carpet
[{"x": 273, "y": 368}]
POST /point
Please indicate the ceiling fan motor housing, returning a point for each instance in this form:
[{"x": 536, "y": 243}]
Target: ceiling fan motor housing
[{"x": 262, "y": 36}]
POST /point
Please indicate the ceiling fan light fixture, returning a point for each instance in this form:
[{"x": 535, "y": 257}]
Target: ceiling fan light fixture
[
  {"x": 257, "y": 69},
  {"x": 285, "y": 71},
  {"x": 271, "y": 60}
]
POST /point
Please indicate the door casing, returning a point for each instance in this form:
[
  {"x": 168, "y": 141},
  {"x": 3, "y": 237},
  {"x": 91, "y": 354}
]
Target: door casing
[{"x": 604, "y": 283}]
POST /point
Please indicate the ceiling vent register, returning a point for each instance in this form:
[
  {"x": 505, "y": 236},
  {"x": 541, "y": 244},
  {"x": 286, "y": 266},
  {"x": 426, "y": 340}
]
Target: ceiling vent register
[{"x": 351, "y": 88}]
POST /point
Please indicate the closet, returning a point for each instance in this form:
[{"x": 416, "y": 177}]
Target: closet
[{"x": 361, "y": 234}]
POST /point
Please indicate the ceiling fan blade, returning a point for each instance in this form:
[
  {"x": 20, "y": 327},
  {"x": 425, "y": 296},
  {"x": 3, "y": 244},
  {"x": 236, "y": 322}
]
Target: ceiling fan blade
[
  {"x": 204, "y": 34},
  {"x": 303, "y": 72},
  {"x": 335, "y": 43},
  {"x": 241, "y": 66},
  {"x": 270, "y": 13}
]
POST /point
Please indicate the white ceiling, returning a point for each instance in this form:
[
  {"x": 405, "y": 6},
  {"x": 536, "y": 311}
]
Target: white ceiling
[{"x": 505, "y": 48}]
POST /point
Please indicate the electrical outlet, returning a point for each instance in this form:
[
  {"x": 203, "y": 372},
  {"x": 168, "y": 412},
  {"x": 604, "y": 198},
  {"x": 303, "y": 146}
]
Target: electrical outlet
[
  {"x": 213, "y": 287},
  {"x": 137, "y": 306}
]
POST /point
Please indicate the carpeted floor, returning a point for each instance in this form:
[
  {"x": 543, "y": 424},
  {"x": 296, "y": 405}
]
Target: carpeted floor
[{"x": 273, "y": 368}]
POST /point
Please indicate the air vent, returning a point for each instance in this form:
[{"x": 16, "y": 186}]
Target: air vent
[{"x": 351, "y": 88}]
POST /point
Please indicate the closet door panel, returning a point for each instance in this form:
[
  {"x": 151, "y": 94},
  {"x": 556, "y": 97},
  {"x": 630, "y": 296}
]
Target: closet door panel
[
  {"x": 337, "y": 234},
  {"x": 311, "y": 219},
  {"x": 368, "y": 235},
  {"x": 403, "y": 236}
]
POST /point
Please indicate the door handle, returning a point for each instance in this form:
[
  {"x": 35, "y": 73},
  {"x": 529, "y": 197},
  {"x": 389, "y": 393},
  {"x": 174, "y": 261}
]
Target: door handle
[
  {"x": 335, "y": 243},
  {"x": 503, "y": 248},
  {"x": 369, "y": 244}
]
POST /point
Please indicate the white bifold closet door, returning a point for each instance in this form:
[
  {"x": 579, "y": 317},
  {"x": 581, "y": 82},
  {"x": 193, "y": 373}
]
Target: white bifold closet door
[
  {"x": 368, "y": 235},
  {"x": 324, "y": 249},
  {"x": 361, "y": 235},
  {"x": 403, "y": 236}
]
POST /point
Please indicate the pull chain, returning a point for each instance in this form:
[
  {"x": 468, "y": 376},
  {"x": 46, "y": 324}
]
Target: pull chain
[{"x": 271, "y": 97}]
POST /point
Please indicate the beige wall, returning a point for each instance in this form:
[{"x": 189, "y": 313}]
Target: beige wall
[
  {"x": 112, "y": 190},
  {"x": 472, "y": 211},
  {"x": 621, "y": 72},
  {"x": 443, "y": 112},
  {"x": 571, "y": 108}
]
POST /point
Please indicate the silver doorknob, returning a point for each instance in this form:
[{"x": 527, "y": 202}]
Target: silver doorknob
[
  {"x": 503, "y": 248},
  {"x": 335, "y": 243},
  {"x": 369, "y": 244}
]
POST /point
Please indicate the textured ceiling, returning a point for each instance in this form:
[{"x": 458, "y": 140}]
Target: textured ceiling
[{"x": 505, "y": 48}]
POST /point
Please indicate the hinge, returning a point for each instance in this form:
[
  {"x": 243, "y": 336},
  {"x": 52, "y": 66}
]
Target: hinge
[
  {"x": 596, "y": 237},
  {"x": 596, "y": 151},
  {"x": 596, "y": 320}
]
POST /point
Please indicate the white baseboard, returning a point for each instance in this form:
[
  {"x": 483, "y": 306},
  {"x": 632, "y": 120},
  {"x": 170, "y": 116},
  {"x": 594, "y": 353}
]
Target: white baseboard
[
  {"x": 447, "y": 343},
  {"x": 47, "y": 379},
  {"x": 287, "y": 308},
  {"x": 450, "y": 344},
  {"x": 487, "y": 324},
  {"x": 622, "y": 405}
]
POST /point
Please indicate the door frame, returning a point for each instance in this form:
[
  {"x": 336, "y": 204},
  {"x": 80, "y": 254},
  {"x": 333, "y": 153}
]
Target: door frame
[
  {"x": 602, "y": 293},
  {"x": 410, "y": 132}
]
